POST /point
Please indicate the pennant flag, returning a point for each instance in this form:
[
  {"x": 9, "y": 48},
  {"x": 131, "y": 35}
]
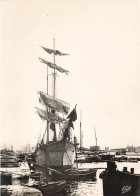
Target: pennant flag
[
  {"x": 54, "y": 66},
  {"x": 56, "y": 52},
  {"x": 73, "y": 115},
  {"x": 53, "y": 103}
]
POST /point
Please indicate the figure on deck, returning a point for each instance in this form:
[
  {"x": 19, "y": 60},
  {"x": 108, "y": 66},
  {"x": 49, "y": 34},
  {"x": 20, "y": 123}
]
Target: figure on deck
[{"x": 53, "y": 127}]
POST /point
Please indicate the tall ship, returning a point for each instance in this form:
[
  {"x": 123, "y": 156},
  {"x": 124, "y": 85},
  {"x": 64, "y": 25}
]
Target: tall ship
[{"x": 58, "y": 152}]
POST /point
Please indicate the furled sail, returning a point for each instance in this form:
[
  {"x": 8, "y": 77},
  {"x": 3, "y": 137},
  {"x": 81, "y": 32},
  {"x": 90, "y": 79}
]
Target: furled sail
[
  {"x": 56, "y": 52},
  {"x": 51, "y": 117},
  {"x": 54, "y": 66},
  {"x": 53, "y": 103}
]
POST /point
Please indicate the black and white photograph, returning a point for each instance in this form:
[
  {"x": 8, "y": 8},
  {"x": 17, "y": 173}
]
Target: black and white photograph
[{"x": 70, "y": 97}]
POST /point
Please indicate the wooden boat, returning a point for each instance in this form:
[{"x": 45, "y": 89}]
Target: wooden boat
[
  {"x": 76, "y": 174},
  {"x": 51, "y": 188},
  {"x": 116, "y": 183}
]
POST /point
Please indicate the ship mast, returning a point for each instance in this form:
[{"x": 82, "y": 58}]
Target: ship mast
[
  {"x": 54, "y": 74},
  {"x": 81, "y": 135},
  {"x": 47, "y": 108},
  {"x": 54, "y": 90},
  {"x": 95, "y": 136}
]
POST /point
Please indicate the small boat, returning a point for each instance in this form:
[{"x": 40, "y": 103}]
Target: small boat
[
  {"x": 93, "y": 158},
  {"x": 117, "y": 183},
  {"x": 51, "y": 188},
  {"x": 76, "y": 174},
  {"x": 80, "y": 158},
  {"x": 133, "y": 160}
]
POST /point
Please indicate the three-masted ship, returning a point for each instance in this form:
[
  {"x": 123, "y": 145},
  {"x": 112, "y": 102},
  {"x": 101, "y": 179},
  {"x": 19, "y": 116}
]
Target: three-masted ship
[{"x": 59, "y": 152}]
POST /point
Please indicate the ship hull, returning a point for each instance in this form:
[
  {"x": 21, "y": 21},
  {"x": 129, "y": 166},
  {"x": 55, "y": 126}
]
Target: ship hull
[
  {"x": 117, "y": 183},
  {"x": 60, "y": 154}
]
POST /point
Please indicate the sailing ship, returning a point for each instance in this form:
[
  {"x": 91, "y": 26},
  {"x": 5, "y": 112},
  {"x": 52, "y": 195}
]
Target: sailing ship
[{"x": 60, "y": 152}]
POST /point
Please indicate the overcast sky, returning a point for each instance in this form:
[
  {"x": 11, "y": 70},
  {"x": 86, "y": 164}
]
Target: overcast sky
[{"x": 102, "y": 38}]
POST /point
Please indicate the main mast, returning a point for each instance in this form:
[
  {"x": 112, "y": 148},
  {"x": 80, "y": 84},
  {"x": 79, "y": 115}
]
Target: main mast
[
  {"x": 54, "y": 74},
  {"x": 54, "y": 90},
  {"x": 47, "y": 108}
]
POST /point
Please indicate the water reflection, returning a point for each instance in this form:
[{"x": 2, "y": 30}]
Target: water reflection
[{"x": 81, "y": 188}]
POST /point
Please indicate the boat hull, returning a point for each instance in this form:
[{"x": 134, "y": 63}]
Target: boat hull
[
  {"x": 118, "y": 183},
  {"x": 56, "y": 155},
  {"x": 51, "y": 188},
  {"x": 76, "y": 174}
]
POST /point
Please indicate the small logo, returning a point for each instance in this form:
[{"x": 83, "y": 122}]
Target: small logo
[{"x": 126, "y": 189}]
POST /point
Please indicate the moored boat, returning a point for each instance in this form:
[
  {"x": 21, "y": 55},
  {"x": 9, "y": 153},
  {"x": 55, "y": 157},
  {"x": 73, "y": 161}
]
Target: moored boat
[
  {"x": 50, "y": 188},
  {"x": 76, "y": 174},
  {"x": 116, "y": 183}
]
